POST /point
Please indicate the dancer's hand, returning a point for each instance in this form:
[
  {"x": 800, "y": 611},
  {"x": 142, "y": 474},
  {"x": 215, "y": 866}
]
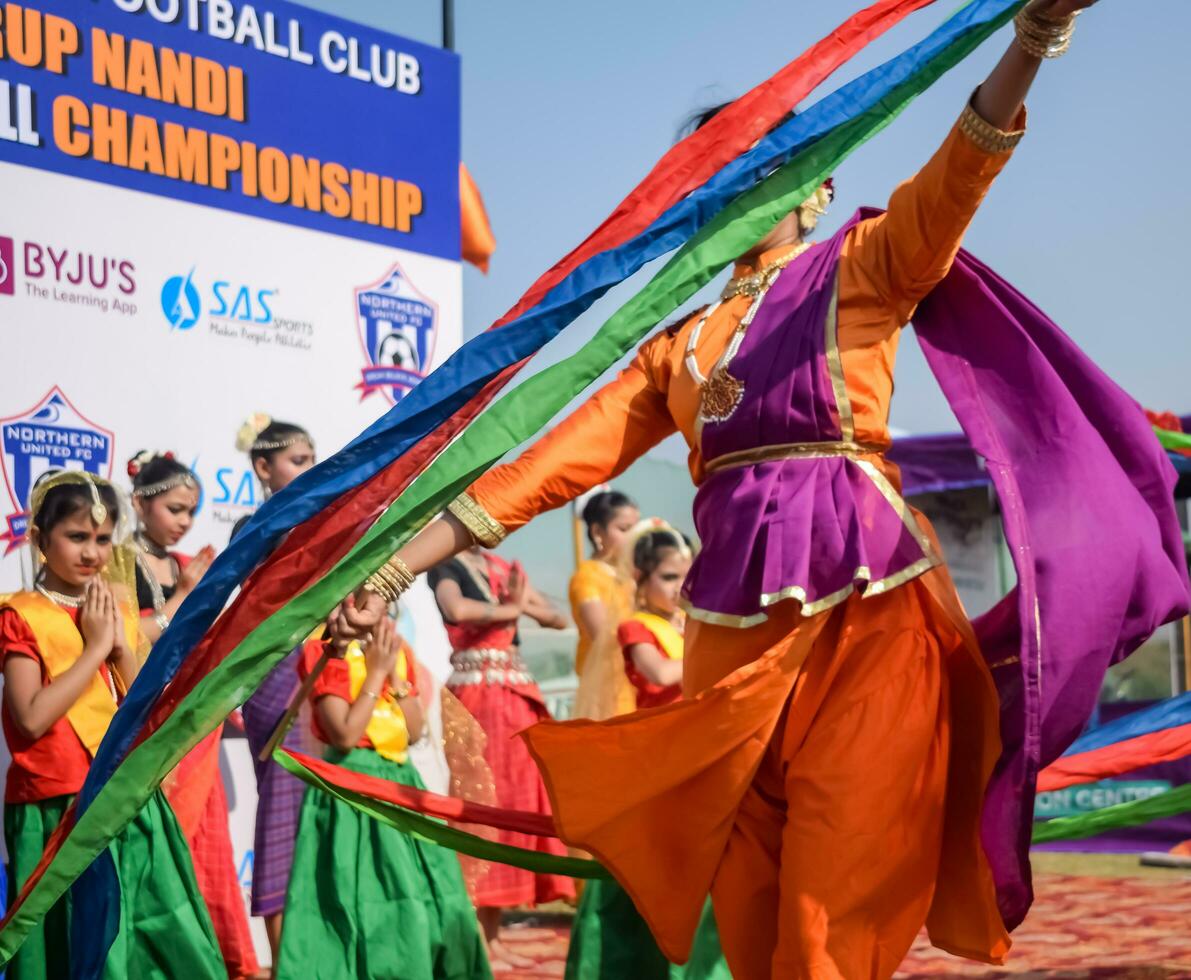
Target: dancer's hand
[
  {"x": 355, "y": 618},
  {"x": 1058, "y": 9},
  {"x": 97, "y": 619},
  {"x": 195, "y": 569},
  {"x": 380, "y": 655},
  {"x": 518, "y": 589}
]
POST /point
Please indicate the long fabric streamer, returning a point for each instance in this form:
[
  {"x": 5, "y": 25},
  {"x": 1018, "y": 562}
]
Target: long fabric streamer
[
  {"x": 151, "y": 732},
  {"x": 1131, "y": 814},
  {"x": 410, "y": 821}
]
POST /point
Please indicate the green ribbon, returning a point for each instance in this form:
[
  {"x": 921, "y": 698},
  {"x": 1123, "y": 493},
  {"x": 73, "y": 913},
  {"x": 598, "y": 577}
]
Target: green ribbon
[{"x": 444, "y": 835}]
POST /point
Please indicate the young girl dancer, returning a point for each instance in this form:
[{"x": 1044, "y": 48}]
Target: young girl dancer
[
  {"x": 280, "y": 452},
  {"x": 165, "y": 497},
  {"x": 366, "y": 900},
  {"x": 601, "y": 598},
  {"x": 610, "y": 939},
  {"x": 69, "y": 652},
  {"x": 481, "y": 597}
]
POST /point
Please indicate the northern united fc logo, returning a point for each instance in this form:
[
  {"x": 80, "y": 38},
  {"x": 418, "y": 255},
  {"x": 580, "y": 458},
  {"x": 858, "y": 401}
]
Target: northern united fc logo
[
  {"x": 50, "y": 435},
  {"x": 398, "y": 328}
]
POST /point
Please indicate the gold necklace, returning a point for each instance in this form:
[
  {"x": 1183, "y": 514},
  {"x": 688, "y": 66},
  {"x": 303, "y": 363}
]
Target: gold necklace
[{"x": 720, "y": 393}]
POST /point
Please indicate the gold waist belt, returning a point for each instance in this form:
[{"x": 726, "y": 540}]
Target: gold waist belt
[{"x": 791, "y": 450}]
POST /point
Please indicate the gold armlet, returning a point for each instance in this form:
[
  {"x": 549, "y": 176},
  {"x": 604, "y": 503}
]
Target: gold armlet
[
  {"x": 482, "y": 526},
  {"x": 985, "y": 135}
]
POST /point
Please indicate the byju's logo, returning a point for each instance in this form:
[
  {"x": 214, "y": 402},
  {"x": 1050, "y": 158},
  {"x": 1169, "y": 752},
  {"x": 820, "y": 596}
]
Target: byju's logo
[
  {"x": 180, "y": 301},
  {"x": 183, "y": 306},
  {"x": 50, "y": 435},
  {"x": 398, "y": 327},
  {"x": 8, "y": 269}
]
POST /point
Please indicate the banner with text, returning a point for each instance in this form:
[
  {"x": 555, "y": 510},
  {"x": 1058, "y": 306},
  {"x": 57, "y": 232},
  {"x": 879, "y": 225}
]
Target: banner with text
[{"x": 214, "y": 208}]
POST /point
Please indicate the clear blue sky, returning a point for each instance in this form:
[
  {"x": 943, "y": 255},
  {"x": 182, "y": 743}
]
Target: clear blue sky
[{"x": 567, "y": 105}]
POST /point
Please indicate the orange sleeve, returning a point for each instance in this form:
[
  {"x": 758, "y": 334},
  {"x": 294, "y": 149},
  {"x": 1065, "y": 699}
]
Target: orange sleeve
[
  {"x": 597, "y": 442},
  {"x": 908, "y": 250}
]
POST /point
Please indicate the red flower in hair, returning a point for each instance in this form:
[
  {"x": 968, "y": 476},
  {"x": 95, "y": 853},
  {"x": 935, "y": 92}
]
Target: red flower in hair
[{"x": 133, "y": 468}]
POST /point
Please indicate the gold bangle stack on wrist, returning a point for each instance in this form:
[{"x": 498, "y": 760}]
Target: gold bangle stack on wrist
[
  {"x": 391, "y": 580},
  {"x": 1043, "y": 37}
]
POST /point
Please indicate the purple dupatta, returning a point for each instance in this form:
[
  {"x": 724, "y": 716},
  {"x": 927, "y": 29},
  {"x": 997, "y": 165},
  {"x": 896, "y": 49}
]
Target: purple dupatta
[{"x": 1087, "y": 500}]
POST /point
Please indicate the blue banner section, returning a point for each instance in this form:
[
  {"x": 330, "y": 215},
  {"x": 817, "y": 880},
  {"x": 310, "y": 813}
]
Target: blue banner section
[{"x": 266, "y": 109}]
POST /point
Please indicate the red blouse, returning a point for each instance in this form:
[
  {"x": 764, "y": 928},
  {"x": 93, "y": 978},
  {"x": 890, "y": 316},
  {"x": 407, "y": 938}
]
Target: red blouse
[
  {"x": 55, "y": 764},
  {"x": 649, "y": 694},
  {"x": 335, "y": 680}
]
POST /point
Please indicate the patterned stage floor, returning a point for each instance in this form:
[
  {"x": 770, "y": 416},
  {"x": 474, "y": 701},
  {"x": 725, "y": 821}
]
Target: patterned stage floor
[{"x": 1081, "y": 926}]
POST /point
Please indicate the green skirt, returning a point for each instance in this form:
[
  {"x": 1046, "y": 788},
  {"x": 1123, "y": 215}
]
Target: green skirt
[
  {"x": 610, "y": 940},
  {"x": 366, "y": 900},
  {"x": 165, "y": 929}
]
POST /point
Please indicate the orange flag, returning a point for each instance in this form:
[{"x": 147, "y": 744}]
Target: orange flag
[{"x": 478, "y": 242}]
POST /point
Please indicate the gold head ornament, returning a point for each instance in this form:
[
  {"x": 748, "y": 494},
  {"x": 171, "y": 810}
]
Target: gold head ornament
[{"x": 99, "y": 511}]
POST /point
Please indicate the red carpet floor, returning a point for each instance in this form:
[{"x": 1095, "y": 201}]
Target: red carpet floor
[{"x": 1080, "y": 927}]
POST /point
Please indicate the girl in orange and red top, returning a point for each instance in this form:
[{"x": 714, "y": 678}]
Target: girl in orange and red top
[
  {"x": 481, "y": 598},
  {"x": 165, "y": 497},
  {"x": 651, "y": 638},
  {"x": 825, "y": 775},
  {"x": 609, "y": 938},
  {"x": 364, "y": 899},
  {"x": 69, "y": 652}
]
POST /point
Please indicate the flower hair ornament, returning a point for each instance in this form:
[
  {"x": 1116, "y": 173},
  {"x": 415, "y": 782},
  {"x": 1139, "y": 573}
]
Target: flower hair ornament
[
  {"x": 248, "y": 439},
  {"x": 140, "y": 461},
  {"x": 250, "y": 431}
]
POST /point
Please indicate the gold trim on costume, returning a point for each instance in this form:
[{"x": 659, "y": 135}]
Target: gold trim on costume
[
  {"x": 899, "y": 505},
  {"x": 482, "y": 526},
  {"x": 1008, "y": 661},
  {"x": 723, "y": 619},
  {"x": 985, "y": 135},
  {"x": 835, "y": 367},
  {"x": 809, "y": 609},
  {"x": 790, "y": 450}
]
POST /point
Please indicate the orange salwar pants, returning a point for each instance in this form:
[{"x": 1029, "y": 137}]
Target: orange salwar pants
[{"x": 824, "y": 782}]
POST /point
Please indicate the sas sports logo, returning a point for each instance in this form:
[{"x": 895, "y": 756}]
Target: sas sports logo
[
  {"x": 50, "y": 435},
  {"x": 398, "y": 328},
  {"x": 180, "y": 302},
  {"x": 8, "y": 271}
]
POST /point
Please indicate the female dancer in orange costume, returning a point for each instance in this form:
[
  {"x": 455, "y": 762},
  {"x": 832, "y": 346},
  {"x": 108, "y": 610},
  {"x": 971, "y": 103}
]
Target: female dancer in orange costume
[{"x": 827, "y": 778}]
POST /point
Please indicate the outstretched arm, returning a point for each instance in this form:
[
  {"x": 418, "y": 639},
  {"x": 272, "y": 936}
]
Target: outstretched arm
[
  {"x": 1000, "y": 99},
  {"x": 906, "y": 252}
]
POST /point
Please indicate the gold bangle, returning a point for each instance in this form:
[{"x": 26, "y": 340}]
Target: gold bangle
[
  {"x": 1041, "y": 37},
  {"x": 370, "y": 694},
  {"x": 391, "y": 580}
]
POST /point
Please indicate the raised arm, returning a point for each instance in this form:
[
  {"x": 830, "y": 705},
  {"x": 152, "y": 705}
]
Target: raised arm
[{"x": 910, "y": 249}]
